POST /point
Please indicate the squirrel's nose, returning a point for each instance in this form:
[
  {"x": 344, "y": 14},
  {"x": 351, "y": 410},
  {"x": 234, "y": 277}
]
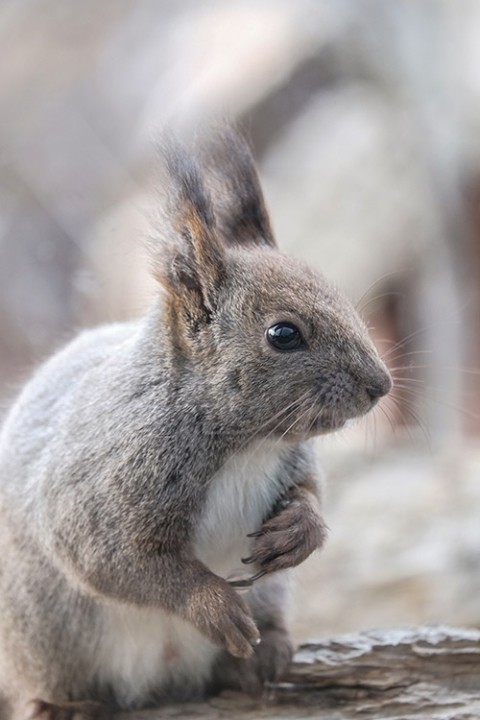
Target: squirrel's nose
[{"x": 379, "y": 387}]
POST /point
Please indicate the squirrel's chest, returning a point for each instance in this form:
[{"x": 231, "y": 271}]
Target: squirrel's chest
[
  {"x": 145, "y": 648},
  {"x": 241, "y": 494}
]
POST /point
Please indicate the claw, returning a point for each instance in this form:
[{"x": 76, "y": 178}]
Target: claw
[
  {"x": 259, "y": 575},
  {"x": 248, "y": 582}
]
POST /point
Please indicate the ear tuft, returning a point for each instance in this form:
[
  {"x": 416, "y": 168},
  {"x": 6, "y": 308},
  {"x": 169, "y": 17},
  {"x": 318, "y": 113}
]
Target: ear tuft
[
  {"x": 189, "y": 259},
  {"x": 239, "y": 203},
  {"x": 186, "y": 190}
]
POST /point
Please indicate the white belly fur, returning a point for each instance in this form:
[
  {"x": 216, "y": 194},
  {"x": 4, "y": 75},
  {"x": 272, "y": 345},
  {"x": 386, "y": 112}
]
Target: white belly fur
[{"x": 141, "y": 649}]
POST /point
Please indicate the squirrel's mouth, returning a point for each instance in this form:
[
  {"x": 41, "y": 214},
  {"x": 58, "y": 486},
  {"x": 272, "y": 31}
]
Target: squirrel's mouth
[
  {"x": 320, "y": 424},
  {"x": 327, "y": 423}
]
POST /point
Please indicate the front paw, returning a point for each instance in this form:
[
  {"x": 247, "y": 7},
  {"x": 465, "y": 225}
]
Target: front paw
[
  {"x": 290, "y": 536},
  {"x": 220, "y": 614}
]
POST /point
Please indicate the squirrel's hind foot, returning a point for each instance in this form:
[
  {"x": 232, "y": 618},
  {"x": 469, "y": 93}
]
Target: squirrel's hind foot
[{"x": 252, "y": 675}]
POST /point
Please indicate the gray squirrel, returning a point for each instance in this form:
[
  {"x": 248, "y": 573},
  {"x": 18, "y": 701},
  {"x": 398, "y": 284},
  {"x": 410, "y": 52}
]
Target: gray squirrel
[{"x": 147, "y": 462}]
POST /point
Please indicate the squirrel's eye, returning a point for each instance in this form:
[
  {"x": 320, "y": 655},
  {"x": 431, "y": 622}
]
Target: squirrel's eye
[{"x": 284, "y": 336}]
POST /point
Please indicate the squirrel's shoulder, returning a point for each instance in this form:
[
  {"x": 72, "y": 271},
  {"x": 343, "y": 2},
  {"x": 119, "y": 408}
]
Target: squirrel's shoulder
[
  {"x": 58, "y": 376},
  {"x": 95, "y": 344}
]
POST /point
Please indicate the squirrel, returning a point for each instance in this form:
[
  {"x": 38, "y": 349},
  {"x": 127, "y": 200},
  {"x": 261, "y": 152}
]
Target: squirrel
[{"x": 147, "y": 462}]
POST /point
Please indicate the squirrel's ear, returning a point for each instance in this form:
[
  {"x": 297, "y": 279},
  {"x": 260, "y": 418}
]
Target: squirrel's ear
[
  {"x": 239, "y": 204},
  {"x": 190, "y": 261}
]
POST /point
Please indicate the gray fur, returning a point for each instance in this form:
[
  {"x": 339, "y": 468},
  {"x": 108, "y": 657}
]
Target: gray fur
[{"x": 139, "y": 458}]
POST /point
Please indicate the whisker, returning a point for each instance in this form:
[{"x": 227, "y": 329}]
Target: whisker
[
  {"x": 375, "y": 283},
  {"x": 290, "y": 427},
  {"x": 403, "y": 356},
  {"x": 371, "y": 417},
  {"x": 405, "y": 386},
  {"x": 411, "y": 411},
  {"x": 376, "y": 298},
  {"x": 283, "y": 414},
  {"x": 410, "y": 367},
  {"x": 405, "y": 412},
  {"x": 455, "y": 314},
  {"x": 397, "y": 378},
  {"x": 383, "y": 410},
  {"x": 420, "y": 392},
  {"x": 279, "y": 414},
  {"x": 401, "y": 343},
  {"x": 367, "y": 435},
  {"x": 287, "y": 412},
  {"x": 466, "y": 371}
]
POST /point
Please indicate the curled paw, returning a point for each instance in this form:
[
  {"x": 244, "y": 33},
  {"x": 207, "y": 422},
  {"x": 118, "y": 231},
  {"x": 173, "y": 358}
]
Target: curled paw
[
  {"x": 289, "y": 537},
  {"x": 221, "y": 614}
]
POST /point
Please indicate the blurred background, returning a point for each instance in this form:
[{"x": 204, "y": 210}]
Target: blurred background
[{"x": 364, "y": 117}]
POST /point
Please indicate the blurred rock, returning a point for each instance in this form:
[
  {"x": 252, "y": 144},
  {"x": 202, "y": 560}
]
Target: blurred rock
[{"x": 403, "y": 547}]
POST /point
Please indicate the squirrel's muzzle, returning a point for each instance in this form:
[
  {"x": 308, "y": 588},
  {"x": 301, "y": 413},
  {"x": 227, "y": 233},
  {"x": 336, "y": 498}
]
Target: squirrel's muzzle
[{"x": 380, "y": 386}]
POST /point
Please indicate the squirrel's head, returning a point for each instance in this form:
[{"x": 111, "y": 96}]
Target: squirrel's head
[{"x": 279, "y": 350}]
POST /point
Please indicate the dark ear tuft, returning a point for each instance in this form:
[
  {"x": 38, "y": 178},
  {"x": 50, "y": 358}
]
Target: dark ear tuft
[
  {"x": 239, "y": 204},
  {"x": 186, "y": 189},
  {"x": 189, "y": 260}
]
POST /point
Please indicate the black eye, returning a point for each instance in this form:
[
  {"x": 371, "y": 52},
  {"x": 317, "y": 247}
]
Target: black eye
[{"x": 284, "y": 336}]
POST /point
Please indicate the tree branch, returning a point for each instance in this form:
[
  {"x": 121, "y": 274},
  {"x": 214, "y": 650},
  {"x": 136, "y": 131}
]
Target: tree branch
[{"x": 427, "y": 673}]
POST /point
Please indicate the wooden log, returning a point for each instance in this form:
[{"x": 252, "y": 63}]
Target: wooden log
[{"x": 426, "y": 673}]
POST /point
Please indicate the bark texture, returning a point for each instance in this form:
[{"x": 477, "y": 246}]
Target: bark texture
[{"x": 426, "y": 673}]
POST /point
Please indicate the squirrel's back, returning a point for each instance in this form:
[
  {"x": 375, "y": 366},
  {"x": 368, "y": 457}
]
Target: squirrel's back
[{"x": 39, "y": 413}]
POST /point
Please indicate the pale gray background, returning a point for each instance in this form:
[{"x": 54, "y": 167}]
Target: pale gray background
[{"x": 364, "y": 118}]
